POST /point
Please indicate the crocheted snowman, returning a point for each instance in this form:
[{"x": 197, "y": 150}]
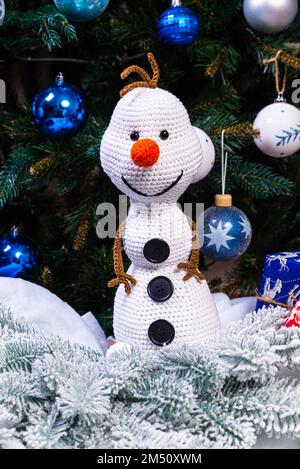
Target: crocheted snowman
[{"x": 152, "y": 153}]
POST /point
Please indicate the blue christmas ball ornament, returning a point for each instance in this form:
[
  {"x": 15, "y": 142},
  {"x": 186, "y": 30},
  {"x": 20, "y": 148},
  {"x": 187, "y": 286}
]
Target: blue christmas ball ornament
[
  {"x": 2, "y": 11},
  {"x": 227, "y": 230},
  {"x": 59, "y": 110},
  {"x": 18, "y": 255},
  {"x": 81, "y": 10},
  {"x": 178, "y": 26}
]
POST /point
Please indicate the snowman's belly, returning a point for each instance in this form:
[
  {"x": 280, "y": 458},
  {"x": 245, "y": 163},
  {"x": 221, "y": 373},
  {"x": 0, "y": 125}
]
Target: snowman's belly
[
  {"x": 190, "y": 310},
  {"x": 169, "y": 227}
]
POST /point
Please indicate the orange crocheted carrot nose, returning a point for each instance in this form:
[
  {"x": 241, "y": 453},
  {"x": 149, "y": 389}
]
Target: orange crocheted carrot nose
[{"x": 145, "y": 153}]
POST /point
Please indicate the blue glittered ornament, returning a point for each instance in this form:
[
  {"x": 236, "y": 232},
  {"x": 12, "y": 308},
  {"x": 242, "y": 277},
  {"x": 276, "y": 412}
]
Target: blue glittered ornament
[
  {"x": 178, "y": 26},
  {"x": 227, "y": 231},
  {"x": 18, "y": 255},
  {"x": 59, "y": 110},
  {"x": 81, "y": 10}
]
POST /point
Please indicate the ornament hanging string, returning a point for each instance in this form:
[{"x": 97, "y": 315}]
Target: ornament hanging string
[
  {"x": 224, "y": 220},
  {"x": 224, "y": 160},
  {"x": 285, "y": 58},
  {"x": 275, "y": 60}
]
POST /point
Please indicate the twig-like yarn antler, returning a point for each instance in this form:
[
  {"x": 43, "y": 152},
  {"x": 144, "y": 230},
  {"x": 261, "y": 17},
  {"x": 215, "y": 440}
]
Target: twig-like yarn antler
[{"x": 147, "y": 82}]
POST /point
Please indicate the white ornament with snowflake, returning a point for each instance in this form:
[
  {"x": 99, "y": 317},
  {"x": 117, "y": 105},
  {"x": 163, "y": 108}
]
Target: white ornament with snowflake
[{"x": 279, "y": 129}]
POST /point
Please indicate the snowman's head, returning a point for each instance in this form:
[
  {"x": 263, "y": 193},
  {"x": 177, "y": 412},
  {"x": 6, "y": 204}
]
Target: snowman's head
[{"x": 150, "y": 150}]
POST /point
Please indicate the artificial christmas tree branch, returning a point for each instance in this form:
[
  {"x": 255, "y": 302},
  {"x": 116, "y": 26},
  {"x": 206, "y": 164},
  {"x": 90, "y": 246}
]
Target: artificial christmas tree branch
[
  {"x": 215, "y": 100},
  {"x": 214, "y": 67},
  {"x": 52, "y": 59},
  {"x": 223, "y": 395}
]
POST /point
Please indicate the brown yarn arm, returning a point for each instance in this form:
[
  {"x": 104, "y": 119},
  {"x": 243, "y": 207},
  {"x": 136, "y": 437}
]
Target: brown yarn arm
[
  {"x": 121, "y": 276},
  {"x": 191, "y": 266}
]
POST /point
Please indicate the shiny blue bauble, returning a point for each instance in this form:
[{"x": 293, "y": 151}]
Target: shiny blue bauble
[
  {"x": 59, "y": 110},
  {"x": 178, "y": 26},
  {"x": 18, "y": 255},
  {"x": 227, "y": 233},
  {"x": 2, "y": 11},
  {"x": 81, "y": 10}
]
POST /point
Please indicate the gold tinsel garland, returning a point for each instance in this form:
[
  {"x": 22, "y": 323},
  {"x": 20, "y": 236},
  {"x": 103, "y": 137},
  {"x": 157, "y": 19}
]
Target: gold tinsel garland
[
  {"x": 238, "y": 130},
  {"x": 283, "y": 57},
  {"x": 213, "y": 101},
  {"x": 47, "y": 277},
  {"x": 42, "y": 165},
  {"x": 214, "y": 67},
  {"x": 81, "y": 236}
]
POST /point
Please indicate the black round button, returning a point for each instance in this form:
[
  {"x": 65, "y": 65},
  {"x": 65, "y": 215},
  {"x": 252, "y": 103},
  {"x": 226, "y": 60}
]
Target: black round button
[
  {"x": 161, "y": 332},
  {"x": 160, "y": 289},
  {"x": 156, "y": 251}
]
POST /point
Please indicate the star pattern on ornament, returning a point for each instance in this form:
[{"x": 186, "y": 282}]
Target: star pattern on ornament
[
  {"x": 246, "y": 227},
  {"x": 218, "y": 237}
]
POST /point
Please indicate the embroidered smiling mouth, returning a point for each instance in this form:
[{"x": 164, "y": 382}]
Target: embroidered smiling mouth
[{"x": 153, "y": 195}]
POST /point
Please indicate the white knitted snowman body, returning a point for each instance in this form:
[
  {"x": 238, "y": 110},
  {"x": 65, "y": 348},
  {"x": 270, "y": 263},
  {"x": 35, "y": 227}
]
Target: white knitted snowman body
[
  {"x": 190, "y": 309},
  {"x": 152, "y": 153}
]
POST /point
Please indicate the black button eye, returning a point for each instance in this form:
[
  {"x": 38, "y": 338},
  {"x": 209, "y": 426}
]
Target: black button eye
[
  {"x": 134, "y": 135},
  {"x": 164, "y": 134}
]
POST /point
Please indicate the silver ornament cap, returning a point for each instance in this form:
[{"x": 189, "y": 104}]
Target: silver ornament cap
[{"x": 270, "y": 16}]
